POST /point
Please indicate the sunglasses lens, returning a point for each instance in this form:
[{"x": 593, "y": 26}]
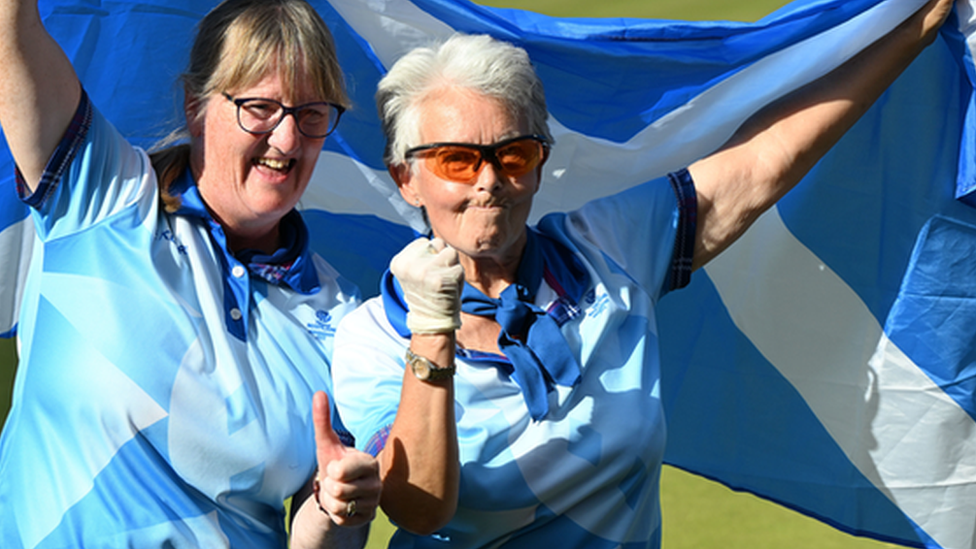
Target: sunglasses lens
[
  {"x": 520, "y": 157},
  {"x": 455, "y": 163}
]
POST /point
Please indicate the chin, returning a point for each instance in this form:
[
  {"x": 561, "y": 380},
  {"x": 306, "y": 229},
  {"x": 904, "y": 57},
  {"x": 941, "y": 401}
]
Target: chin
[
  {"x": 272, "y": 209},
  {"x": 491, "y": 248}
]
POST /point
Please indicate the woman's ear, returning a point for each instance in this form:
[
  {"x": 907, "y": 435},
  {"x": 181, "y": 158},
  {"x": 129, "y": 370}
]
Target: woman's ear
[
  {"x": 194, "y": 118},
  {"x": 403, "y": 177}
]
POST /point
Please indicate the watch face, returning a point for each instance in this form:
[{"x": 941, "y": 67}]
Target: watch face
[
  {"x": 425, "y": 371},
  {"x": 421, "y": 367}
]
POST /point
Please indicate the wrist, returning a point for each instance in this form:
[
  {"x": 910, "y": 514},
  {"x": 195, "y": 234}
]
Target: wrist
[
  {"x": 427, "y": 370},
  {"x": 438, "y": 349}
]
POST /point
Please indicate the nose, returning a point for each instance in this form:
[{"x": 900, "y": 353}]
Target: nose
[
  {"x": 489, "y": 178},
  {"x": 286, "y": 137}
]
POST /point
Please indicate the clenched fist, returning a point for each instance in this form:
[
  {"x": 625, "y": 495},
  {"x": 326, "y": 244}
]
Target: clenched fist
[{"x": 431, "y": 278}]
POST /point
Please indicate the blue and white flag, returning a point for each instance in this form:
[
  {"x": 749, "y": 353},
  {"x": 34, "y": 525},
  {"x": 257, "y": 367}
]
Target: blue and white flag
[{"x": 827, "y": 361}]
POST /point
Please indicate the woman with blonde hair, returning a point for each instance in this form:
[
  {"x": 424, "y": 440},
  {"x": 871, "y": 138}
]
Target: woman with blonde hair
[{"x": 176, "y": 332}]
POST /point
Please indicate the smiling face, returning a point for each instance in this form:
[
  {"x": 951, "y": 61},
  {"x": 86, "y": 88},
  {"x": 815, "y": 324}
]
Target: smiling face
[
  {"x": 484, "y": 220},
  {"x": 249, "y": 181}
]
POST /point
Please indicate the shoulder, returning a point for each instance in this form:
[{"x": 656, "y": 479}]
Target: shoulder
[
  {"x": 91, "y": 149},
  {"x": 646, "y": 231},
  {"x": 368, "y": 321}
]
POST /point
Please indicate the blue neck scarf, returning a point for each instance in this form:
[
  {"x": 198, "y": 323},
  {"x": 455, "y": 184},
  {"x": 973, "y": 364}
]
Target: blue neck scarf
[{"x": 530, "y": 338}]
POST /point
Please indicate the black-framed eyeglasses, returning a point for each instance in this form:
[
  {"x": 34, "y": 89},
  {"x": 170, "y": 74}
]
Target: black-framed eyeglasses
[
  {"x": 461, "y": 162},
  {"x": 258, "y": 115}
]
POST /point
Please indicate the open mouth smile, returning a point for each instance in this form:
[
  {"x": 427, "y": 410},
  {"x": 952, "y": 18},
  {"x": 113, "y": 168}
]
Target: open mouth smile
[{"x": 276, "y": 164}]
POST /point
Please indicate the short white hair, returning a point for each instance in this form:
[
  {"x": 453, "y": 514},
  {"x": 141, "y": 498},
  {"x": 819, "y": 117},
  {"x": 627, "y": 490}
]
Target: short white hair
[{"x": 478, "y": 63}]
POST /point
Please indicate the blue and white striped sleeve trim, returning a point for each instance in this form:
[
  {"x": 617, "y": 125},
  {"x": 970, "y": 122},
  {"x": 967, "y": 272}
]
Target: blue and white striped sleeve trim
[{"x": 684, "y": 240}]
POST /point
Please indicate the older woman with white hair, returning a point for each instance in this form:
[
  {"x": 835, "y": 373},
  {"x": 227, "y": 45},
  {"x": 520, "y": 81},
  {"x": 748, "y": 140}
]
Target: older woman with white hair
[{"x": 507, "y": 376}]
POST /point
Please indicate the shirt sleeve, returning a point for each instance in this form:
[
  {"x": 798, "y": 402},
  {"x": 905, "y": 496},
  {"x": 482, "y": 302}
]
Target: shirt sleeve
[
  {"x": 367, "y": 374},
  {"x": 93, "y": 174},
  {"x": 647, "y": 231}
]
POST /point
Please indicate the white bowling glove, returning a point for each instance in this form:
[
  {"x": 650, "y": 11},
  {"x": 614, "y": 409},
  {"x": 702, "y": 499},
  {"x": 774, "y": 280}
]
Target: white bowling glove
[{"x": 431, "y": 279}]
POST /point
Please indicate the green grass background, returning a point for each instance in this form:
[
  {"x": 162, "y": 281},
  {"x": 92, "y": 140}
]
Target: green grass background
[{"x": 698, "y": 514}]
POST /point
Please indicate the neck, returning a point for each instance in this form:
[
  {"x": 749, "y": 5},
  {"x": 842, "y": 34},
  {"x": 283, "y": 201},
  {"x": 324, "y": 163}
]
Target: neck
[
  {"x": 267, "y": 242},
  {"x": 243, "y": 236}
]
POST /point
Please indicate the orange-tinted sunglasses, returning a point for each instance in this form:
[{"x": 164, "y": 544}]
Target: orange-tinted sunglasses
[{"x": 461, "y": 162}]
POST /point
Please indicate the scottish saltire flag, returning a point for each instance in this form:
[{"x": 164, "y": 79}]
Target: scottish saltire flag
[{"x": 825, "y": 362}]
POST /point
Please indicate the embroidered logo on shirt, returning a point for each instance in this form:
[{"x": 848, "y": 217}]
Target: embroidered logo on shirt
[
  {"x": 168, "y": 236},
  {"x": 590, "y": 297},
  {"x": 599, "y": 306},
  {"x": 322, "y": 328}
]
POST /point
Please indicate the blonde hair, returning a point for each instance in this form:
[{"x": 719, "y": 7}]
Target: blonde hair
[{"x": 238, "y": 43}]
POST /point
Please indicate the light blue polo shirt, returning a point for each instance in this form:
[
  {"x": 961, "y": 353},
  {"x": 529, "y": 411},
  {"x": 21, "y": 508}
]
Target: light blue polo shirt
[
  {"x": 586, "y": 475},
  {"x": 164, "y": 394}
]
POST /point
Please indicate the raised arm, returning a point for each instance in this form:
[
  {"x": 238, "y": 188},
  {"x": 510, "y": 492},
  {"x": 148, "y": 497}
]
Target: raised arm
[
  {"x": 419, "y": 464},
  {"x": 776, "y": 147},
  {"x": 39, "y": 90}
]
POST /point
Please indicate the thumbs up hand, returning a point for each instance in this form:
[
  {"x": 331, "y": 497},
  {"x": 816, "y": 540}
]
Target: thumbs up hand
[{"x": 347, "y": 485}]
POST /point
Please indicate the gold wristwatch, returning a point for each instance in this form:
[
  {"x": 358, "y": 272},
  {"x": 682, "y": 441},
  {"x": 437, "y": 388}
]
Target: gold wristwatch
[{"x": 425, "y": 369}]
